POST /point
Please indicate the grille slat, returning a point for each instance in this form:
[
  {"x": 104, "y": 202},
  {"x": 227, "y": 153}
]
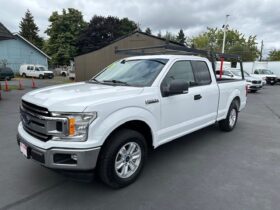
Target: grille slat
[
  {"x": 35, "y": 109},
  {"x": 256, "y": 82},
  {"x": 32, "y": 124},
  {"x": 38, "y": 135}
]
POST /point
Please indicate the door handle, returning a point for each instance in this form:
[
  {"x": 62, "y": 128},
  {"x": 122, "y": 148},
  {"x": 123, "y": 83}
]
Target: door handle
[{"x": 197, "y": 97}]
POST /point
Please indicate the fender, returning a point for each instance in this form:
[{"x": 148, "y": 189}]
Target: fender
[
  {"x": 100, "y": 130},
  {"x": 223, "y": 113}
]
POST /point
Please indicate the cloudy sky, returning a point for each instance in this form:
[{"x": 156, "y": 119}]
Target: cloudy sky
[{"x": 251, "y": 17}]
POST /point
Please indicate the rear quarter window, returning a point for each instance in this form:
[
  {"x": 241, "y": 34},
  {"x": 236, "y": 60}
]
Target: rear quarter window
[{"x": 201, "y": 72}]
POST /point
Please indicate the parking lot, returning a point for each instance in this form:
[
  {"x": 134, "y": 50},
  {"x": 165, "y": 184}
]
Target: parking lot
[{"x": 208, "y": 169}]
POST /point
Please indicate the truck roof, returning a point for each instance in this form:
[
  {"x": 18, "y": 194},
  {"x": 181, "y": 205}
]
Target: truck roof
[{"x": 190, "y": 57}]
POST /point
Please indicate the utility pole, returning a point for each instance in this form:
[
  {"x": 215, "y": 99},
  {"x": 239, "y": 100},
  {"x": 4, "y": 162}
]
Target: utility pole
[
  {"x": 261, "y": 51},
  {"x": 225, "y": 26}
]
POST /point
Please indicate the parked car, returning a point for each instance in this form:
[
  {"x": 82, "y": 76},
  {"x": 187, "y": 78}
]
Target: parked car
[
  {"x": 6, "y": 73},
  {"x": 266, "y": 75},
  {"x": 110, "y": 122},
  {"x": 253, "y": 83},
  {"x": 37, "y": 71},
  {"x": 226, "y": 74}
]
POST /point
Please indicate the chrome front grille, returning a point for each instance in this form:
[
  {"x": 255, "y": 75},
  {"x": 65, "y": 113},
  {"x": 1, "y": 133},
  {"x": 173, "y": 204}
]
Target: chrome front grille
[
  {"x": 256, "y": 82},
  {"x": 38, "y": 122}
]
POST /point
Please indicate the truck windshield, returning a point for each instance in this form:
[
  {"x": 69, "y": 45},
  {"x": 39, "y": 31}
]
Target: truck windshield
[
  {"x": 265, "y": 71},
  {"x": 41, "y": 68},
  {"x": 138, "y": 73}
]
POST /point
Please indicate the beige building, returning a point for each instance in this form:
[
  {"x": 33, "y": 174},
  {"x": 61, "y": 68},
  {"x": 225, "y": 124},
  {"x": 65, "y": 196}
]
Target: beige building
[{"x": 88, "y": 65}]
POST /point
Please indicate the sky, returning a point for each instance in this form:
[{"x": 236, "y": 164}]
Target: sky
[{"x": 251, "y": 17}]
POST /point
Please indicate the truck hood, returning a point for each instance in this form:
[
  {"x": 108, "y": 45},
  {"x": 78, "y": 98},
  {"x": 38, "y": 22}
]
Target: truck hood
[
  {"x": 77, "y": 97},
  {"x": 251, "y": 78}
]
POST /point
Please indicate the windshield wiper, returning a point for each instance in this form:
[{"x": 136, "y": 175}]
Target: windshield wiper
[
  {"x": 95, "y": 81},
  {"x": 116, "y": 82}
]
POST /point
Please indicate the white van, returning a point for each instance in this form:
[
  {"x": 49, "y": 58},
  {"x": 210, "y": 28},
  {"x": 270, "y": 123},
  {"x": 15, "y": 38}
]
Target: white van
[{"x": 38, "y": 71}]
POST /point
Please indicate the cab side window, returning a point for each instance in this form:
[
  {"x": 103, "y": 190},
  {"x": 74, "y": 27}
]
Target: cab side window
[
  {"x": 256, "y": 72},
  {"x": 181, "y": 70},
  {"x": 201, "y": 73},
  {"x": 36, "y": 69}
]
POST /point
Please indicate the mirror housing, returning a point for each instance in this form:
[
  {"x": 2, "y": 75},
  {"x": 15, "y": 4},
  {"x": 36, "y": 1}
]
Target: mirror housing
[{"x": 176, "y": 87}]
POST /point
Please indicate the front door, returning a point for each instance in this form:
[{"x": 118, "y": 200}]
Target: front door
[{"x": 184, "y": 113}]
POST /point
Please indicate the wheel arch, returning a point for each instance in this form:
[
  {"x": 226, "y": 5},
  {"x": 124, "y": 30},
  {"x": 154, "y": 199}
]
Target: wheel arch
[{"x": 136, "y": 125}]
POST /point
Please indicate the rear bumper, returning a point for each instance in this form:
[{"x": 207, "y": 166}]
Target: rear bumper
[{"x": 61, "y": 158}]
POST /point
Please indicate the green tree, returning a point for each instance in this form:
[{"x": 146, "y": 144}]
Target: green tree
[
  {"x": 103, "y": 30},
  {"x": 159, "y": 34},
  {"x": 181, "y": 37},
  {"x": 169, "y": 36},
  {"x": 29, "y": 30},
  {"x": 63, "y": 32},
  {"x": 236, "y": 43},
  {"x": 148, "y": 31},
  {"x": 274, "y": 55}
]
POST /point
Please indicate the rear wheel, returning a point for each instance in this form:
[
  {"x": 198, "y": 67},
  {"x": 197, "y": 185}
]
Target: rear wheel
[
  {"x": 41, "y": 76},
  {"x": 229, "y": 123},
  {"x": 122, "y": 158},
  {"x": 24, "y": 75}
]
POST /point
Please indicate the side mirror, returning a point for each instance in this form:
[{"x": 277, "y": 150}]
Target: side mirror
[{"x": 176, "y": 87}]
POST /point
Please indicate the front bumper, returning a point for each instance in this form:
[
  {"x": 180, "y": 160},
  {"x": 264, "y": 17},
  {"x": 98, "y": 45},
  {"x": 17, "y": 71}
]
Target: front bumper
[
  {"x": 50, "y": 76},
  {"x": 254, "y": 87},
  {"x": 60, "y": 158}
]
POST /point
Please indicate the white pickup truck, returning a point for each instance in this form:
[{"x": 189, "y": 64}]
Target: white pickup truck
[{"x": 110, "y": 122}]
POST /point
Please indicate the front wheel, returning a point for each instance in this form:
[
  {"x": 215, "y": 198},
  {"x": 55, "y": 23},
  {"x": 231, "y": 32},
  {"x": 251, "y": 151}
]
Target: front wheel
[
  {"x": 122, "y": 158},
  {"x": 229, "y": 123}
]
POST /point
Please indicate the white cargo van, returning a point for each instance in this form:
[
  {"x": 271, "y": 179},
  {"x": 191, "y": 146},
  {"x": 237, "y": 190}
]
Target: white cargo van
[{"x": 37, "y": 71}]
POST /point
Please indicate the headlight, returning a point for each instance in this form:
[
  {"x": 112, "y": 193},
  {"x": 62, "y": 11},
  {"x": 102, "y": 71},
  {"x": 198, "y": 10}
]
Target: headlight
[
  {"x": 78, "y": 124},
  {"x": 247, "y": 80}
]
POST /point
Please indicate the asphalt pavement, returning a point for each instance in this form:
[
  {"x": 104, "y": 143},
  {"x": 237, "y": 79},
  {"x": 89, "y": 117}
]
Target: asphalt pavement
[{"x": 208, "y": 169}]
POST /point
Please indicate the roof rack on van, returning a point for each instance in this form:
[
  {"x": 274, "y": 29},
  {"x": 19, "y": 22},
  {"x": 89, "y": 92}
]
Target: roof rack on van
[{"x": 181, "y": 50}]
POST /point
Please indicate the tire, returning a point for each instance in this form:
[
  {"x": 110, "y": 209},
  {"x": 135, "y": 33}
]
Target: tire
[
  {"x": 63, "y": 74},
  {"x": 24, "y": 75},
  {"x": 111, "y": 155},
  {"x": 228, "y": 124},
  {"x": 41, "y": 76},
  {"x": 253, "y": 91}
]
